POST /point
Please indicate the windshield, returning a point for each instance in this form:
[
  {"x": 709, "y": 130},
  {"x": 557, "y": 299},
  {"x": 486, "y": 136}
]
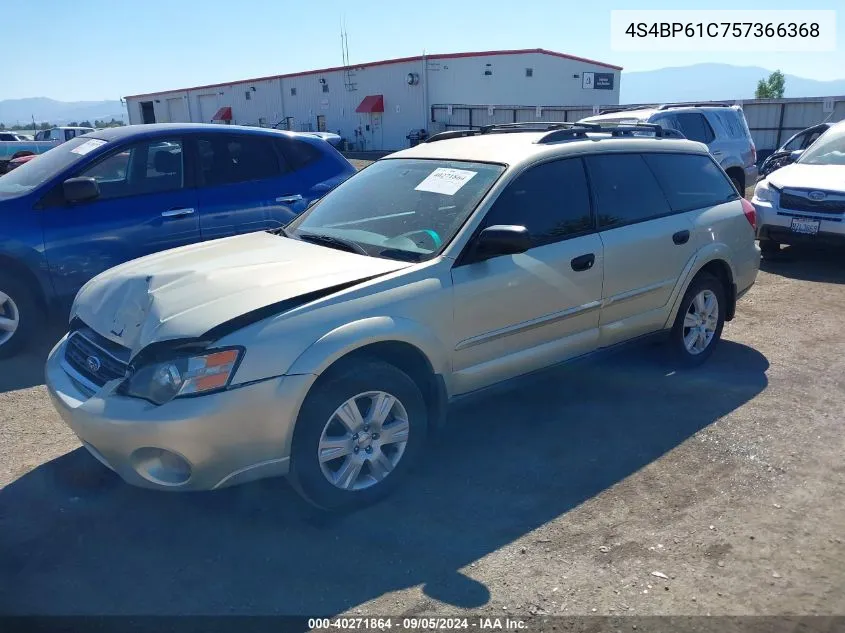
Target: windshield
[
  {"x": 36, "y": 172},
  {"x": 400, "y": 208},
  {"x": 829, "y": 149}
]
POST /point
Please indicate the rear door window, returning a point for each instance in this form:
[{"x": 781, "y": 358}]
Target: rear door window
[
  {"x": 695, "y": 127},
  {"x": 227, "y": 159},
  {"x": 690, "y": 181},
  {"x": 625, "y": 190}
]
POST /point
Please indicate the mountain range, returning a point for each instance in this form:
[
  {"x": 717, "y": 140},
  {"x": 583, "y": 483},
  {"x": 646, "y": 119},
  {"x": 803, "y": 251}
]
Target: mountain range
[
  {"x": 700, "y": 82},
  {"x": 706, "y": 82},
  {"x": 21, "y": 111}
]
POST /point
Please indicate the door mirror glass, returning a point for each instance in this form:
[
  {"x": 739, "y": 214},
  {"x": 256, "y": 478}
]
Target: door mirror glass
[
  {"x": 501, "y": 239},
  {"x": 80, "y": 189},
  {"x": 794, "y": 156}
]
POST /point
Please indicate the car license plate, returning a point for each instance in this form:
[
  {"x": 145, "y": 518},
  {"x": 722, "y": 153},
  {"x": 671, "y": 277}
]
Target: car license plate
[{"x": 807, "y": 227}]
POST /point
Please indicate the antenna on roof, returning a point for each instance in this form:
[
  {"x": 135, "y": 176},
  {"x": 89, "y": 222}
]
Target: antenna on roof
[{"x": 348, "y": 74}]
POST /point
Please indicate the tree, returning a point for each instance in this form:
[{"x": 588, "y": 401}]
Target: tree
[
  {"x": 2, "y": 126},
  {"x": 772, "y": 87},
  {"x": 45, "y": 126},
  {"x": 85, "y": 124}
]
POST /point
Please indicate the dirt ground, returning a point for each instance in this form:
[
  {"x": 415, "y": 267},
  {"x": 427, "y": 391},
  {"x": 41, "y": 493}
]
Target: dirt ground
[{"x": 563, "y": 497}]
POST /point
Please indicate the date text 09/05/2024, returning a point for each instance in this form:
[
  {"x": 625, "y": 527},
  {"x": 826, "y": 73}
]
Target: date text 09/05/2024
[
  {"x": 415, "y": 624},
  {"x": 722, "y": 29}
]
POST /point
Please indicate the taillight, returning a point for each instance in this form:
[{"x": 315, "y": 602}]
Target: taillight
[{"x": 750, "y": 213}]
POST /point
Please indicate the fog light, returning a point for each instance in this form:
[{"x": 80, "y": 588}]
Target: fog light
[{"x": 161, "y": 467}]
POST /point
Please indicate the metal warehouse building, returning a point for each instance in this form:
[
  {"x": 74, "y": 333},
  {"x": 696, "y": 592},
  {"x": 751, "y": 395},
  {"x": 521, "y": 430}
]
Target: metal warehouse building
[{"x": 375, "y": 106}]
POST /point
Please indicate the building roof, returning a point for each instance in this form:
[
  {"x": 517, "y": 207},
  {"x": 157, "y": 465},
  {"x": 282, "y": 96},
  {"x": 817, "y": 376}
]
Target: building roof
[{"x": 399, "y": 60}]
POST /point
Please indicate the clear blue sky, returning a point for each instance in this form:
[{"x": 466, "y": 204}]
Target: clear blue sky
[{"x": 110, "y": 48}]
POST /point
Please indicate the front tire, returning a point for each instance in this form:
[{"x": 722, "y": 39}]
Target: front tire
[
  {"x": 699, "y": 322},
  {"x": 357, "y": 435},
  {"x": 20, "y": 316}
]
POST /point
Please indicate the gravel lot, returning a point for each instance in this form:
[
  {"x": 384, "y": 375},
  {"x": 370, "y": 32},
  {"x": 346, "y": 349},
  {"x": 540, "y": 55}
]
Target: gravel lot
[{"x": 559, "y": 498}]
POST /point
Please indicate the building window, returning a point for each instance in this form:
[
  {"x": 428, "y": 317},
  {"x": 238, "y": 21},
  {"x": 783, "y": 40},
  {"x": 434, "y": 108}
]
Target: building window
[
  {"x": 529, "y": 72},
  {"x": 325, "y": 87},
  {"x": 293, "y": 92},
  {"x": 248, "y": 95}
]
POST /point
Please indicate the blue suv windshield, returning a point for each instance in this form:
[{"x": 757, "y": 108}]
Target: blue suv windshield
[{"x": 36, "y": 172}]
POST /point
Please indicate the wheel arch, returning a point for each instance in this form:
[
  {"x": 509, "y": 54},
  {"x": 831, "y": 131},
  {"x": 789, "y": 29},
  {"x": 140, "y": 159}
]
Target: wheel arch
[
  {"x": 713, "y": 261},
  {"x": 401, "y": 342},
  {"x": 20, "y": 270}
]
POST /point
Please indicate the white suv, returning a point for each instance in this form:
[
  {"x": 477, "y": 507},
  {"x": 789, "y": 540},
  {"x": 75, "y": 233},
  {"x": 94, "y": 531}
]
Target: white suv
[
  {"x": 327, "y": 350},
  {"x": 721, "y": 127},
  {"x": 804, "y": 203}
]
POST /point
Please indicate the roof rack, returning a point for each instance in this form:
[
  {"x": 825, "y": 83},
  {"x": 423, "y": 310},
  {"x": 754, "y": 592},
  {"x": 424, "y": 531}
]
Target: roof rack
[
  {"x": 563, "y": 130},
  {"x": 694, "y": 104},
  {"x": 624, "y": 108}
]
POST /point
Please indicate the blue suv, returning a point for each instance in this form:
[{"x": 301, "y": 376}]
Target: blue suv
[{"x": 104, "y": 198}]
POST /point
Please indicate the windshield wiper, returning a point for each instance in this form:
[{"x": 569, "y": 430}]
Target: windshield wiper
[
  {"x": 334, "y": 242},
  {"x": 400, "y": 255}
]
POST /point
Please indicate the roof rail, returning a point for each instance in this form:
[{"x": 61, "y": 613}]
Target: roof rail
[
  {"x": 562, "y": 130},
  {"x": 615, "y": 131},
  {"x": 625, "y": 108},
  {"x": 694, "y": 104}
]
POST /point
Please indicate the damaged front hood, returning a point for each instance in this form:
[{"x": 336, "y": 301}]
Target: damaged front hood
[{"x": 186, "y": 292}]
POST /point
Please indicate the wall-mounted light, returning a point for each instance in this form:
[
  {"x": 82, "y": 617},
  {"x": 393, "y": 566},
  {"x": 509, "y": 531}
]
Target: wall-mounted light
[
  {"x": 252, "y": 88},
  {"x": 322, "y": 80},
  {"x": 576, "y": 76}
]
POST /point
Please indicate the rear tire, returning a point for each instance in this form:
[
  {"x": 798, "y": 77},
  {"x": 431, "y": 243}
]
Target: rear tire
[
  {"x": 699, "y": 322},
  {"x": 372, "y": 457},
  {"x": 20, "y": 316}
]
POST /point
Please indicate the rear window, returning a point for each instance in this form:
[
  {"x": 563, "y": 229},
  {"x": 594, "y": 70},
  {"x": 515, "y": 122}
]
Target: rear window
[{"x": 690, "y": 181}]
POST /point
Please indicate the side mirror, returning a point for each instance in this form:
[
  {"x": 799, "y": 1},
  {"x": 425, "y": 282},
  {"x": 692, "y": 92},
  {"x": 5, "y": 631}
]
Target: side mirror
[
  {"x": 501, "y": 239},
  {"x": 80, "y": 189},
  {"x": 795, "y": 155}
]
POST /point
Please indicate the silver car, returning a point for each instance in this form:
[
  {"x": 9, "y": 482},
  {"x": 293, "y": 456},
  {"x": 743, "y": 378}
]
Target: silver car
[
  {"x": 721, "y": 127},
  {"x": 328, "y": 350}
]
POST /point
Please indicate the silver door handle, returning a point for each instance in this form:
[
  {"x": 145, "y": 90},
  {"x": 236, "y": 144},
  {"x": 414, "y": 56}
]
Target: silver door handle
[
  {"x": 717, "y": 153},
  {"x": 175, "y": 213},
  {"x": 289, "y": 199}
]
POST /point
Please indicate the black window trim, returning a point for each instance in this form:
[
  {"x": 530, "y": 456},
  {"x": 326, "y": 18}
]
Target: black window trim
[
  {"x": 657, "y": 181},
  {"x": 466, "y": 251}
]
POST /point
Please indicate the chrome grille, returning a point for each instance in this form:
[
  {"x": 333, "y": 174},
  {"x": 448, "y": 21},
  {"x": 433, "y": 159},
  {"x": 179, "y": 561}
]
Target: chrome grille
[
  {"x": 96, "y": 362},
  {"x": 799, "y": 201}
]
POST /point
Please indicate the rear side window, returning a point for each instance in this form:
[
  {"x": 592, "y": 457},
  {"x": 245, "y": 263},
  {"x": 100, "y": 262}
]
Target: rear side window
[
  {"x": 299, "y": 154},
  {"x": 690, "y": 181},
  {"x": 551, "y": 200},
  {"x": 625, "y": 190}
]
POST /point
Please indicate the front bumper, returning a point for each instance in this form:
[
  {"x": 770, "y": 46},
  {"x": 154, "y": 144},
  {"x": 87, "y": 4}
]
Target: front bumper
[
  {"x": 198, "y": 443},
  {"x": 774, "y": 223}
]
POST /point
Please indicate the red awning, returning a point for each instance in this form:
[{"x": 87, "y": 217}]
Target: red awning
[
  {"x": 223, "y": 114},
  {"x": 371, "y": 103}
]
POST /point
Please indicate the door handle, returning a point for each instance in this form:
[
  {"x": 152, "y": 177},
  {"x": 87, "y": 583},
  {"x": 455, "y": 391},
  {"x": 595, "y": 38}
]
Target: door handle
[
  {"x": 681, "y": 237},
  {"x": 717, "y": 153},
  {"x": 583, "y": 262},
  {"x": 177, "y": 213},
  {"x": 289, "y": 199}
]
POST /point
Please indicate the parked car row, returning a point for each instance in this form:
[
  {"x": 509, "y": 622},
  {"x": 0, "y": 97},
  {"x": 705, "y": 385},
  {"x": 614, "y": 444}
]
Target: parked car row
[
  {"x": 326, "y": 342},
  {"x": 13, "y": 148}
]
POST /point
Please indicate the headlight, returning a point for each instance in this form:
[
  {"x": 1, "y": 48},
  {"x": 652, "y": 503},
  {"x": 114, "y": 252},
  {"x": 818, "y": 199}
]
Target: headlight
[
  {"x": 763, "y": 192},
  {"x": 191, "y": 375}
]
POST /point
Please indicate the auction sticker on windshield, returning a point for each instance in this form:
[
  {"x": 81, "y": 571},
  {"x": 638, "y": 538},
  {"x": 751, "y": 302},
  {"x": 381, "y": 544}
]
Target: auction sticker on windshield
[
  {"x": 88, "y": 146},
  {"x": 446, "y": 180}
]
